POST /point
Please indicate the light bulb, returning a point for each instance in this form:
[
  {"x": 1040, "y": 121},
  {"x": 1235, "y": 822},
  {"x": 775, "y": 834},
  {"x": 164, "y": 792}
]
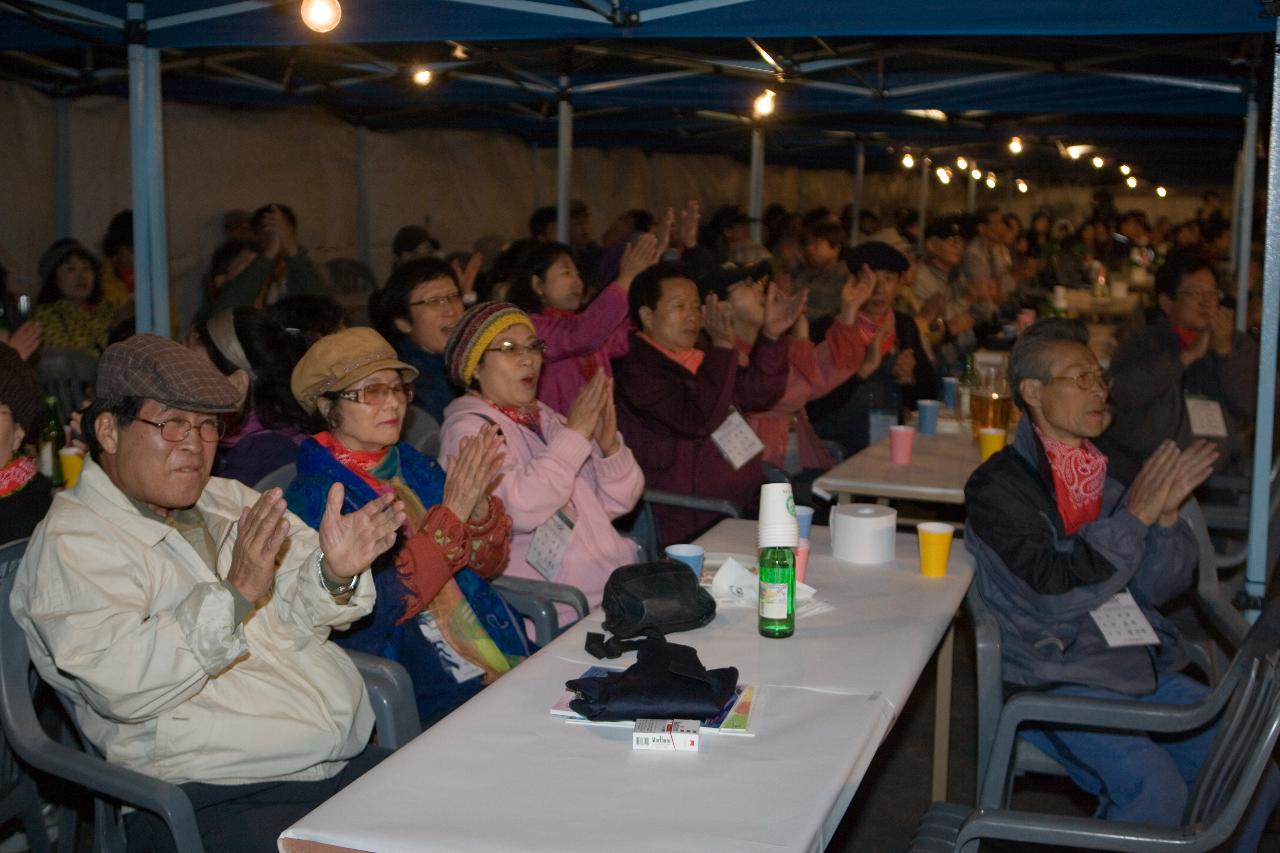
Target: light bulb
[
  {"x": 944, "y": 174},
  {"x": 1022, "y": 185},
  {"x": 1124, "y": 169},
  {"x": 1097, "y": 162},
  {"x": 991, "y": 180},
  {"x": 962, "y": 164},
  {"x": 1132, "y": 182},
  {"x": 908, "y": 161},
  {"x": 763, "y": 105},
  {"x": 1162, "y": 192},
  {"x": 976, "y": 174},
  {"x": 1074, "y": 151},
  {"x": 1015, "y": 145},
  {"x": 321, "y": 15},
  {"x": 421, "y": 75}
]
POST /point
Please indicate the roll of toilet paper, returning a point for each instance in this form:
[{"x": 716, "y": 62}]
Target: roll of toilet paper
[{"x": 863, "y": 533}]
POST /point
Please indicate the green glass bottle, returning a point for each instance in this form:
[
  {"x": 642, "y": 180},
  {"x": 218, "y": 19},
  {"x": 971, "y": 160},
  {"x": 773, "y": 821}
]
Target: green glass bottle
[
  {"x": 51, "y": 440},
  {"x": 777, "y": 616}
]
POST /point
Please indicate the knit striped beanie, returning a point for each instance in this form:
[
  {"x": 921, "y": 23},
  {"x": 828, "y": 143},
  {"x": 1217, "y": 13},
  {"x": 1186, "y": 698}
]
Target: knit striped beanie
[{"x": 475, "y": 332}]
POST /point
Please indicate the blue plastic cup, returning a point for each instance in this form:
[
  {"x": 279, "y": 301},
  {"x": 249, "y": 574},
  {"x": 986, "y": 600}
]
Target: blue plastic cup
[
  {"x": 950, "y": 386},
  {"x": 928, "y": 416},
  {"x": 690, "y": 555},
  {"x": 804, "y": 520}
]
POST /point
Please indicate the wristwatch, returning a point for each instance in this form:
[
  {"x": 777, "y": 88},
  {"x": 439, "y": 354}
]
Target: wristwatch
[{"x": 335, "y": 590}]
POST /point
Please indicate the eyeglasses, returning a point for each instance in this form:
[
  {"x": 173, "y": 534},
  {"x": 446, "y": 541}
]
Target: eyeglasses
[
  {"x": 536, "y": 347},
  {"x": 1086, "y": 381},
  {"x": 375, "y": 394},
  {"x": 179, "y": 428},
  {"x": 436, "y": 302},
  {"x": 1214, "y": 296}
]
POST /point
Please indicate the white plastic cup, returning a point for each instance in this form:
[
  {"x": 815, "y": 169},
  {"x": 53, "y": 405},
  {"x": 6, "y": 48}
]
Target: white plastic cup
[{"x": 777, "y": 527}]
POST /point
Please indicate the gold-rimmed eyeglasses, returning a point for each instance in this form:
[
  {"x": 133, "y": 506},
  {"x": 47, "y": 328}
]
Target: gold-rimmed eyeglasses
[{"x": 178, "y": 429}]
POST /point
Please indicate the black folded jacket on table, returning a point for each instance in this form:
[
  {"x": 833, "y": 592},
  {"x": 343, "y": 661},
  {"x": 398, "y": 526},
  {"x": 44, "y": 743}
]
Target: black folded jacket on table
[{"x": 667, "y": 682}]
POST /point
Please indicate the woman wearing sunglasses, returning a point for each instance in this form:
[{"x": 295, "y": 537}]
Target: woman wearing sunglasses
[
  {"x": 436, "y": 613},
  {"x": 565, "y": 478}
]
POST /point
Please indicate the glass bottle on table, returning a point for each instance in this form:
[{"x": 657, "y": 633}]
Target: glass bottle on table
[
  {"x": 52, "y": 439},
  {"x": 964, "y": 389},
  {"x": 777, "y": 616}
]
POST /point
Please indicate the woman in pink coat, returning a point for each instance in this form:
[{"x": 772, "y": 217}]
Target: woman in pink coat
[{"x": 565, "y": 478}]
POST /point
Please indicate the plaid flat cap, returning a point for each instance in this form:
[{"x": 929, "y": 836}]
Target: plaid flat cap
[{"x": 159, "y": 369}]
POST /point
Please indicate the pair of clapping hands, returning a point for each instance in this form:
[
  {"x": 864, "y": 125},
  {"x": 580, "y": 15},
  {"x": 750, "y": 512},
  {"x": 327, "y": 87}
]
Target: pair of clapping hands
[
  {"x": 1167, "y": 479},
  {"x": 352, "y": 541},
  {"x": 593, "y": 415}
]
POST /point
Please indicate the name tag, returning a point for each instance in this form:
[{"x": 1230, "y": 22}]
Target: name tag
[
  {"x": 455, "y": 664},
  {"x": 550, "y": 541},
  {"x": 737, "y": 442},
  {"x": 1206, "y": 418},
  {"x": 1123, "y": 623}
]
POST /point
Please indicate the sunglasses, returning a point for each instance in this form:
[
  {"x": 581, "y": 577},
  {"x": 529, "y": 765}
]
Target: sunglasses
[{"x": 375, "y": 394}]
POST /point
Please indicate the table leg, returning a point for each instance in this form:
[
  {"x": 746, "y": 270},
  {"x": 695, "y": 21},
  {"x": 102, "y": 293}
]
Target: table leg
[{"x": 942, "y": 715}]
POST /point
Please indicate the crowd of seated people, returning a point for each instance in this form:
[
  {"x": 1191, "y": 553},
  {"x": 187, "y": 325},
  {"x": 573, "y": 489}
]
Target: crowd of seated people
[{"x": 565, "y": 378}]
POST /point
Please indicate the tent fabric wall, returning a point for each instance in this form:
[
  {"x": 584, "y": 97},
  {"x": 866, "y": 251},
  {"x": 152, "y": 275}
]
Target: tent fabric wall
[{"x": 471, "y": 184}]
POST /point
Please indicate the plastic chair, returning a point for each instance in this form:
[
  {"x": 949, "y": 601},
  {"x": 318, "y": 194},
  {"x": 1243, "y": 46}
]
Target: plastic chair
[
  {"x": 536, "y": 601},
  {"x": 421, "y": 432},
  {"x": 281, "y": 477},
  {"x": 1246, "y": 705},
  {"x": 390, "y": 693},
  {"x": 67, "y": 375},
  {"x": 644, "y": 529}
]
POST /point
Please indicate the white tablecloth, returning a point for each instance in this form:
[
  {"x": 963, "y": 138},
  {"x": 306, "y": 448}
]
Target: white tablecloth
[
  {"x": 501, "y": 774},
  {"x": 940, "y": 466}
]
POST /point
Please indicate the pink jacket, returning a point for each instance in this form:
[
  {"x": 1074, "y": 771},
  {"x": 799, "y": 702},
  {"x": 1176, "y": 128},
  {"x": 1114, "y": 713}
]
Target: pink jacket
[
  {"x": 814, "y": 370},
  {"x": 539, "y": 478},
  {"x": 580, "y": 345}
]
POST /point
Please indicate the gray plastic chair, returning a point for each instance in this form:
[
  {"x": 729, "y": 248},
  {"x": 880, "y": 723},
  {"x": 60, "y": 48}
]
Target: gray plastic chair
[
  {"x": 66, "y": 374},
  {"x": 421, "y": 432},
  {"x": 1246, "y": 705},
  {"x": 644, "y": 529},
  {"x": 388, "y": 684},
  {"x": 281, "y": 477},
  {"x": 536, "y": 601}
]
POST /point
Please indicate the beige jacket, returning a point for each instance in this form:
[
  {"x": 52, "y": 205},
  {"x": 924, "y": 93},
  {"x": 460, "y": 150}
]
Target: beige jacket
[{"x": 123, "y": 616}]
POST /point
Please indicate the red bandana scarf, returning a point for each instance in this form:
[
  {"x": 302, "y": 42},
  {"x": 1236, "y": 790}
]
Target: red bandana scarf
[
  {"x": 1186, "y": 337},
  {"x": 868, "y": 327},
  {"x": 1079, "y": 474},
  {"x": 363, "y": 463},
  {"x": 530, "y": 418},
  {"x": 16, "y": 474}
]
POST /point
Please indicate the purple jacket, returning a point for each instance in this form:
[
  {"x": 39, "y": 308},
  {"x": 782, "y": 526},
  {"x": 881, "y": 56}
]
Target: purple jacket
[
  {"x": 580, "y": 345},
  {"x": 668, "y": 415},
  {"x": 540, "y": 477}
]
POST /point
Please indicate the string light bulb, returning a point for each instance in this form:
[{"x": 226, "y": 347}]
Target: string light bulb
[
  {"x": 421, "y": 75},
  {"x": 1098, "y": 162},
  {"x": 944, "y": 175},
  {"x": 991, "y": 180},
  {"x": 962, "y": 164},
  {"x": 1125, "y": 169},
  {"x": 1162, "y": 192},
  {"x": 1021, "y": 185},
  {"x": 1074, "y": 151},
  {"x": 1015, "y": 145},
  {"x": 321, "y": 16},
  {"x": 1132, "y": 182},
  {"x": 976, "y": 174},
  {"x": 908, "y": 162},
  {"x": 764, "y": 104}
]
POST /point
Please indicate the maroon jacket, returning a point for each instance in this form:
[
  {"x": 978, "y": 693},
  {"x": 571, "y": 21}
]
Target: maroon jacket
[{"x": 668, "y": 414}]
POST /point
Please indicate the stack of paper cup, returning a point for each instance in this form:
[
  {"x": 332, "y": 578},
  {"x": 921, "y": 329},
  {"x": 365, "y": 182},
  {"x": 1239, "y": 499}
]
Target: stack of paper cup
[
  {"x": 863, "y": 533},
  {"x": 777, "y": 527}
]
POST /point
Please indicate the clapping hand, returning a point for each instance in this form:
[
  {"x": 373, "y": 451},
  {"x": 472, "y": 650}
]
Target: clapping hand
[
  {"x": 855, "y": 292},
  {"x": 781, "y": 311},
  {"x": 473, "y": 474},
  {"x": 584, "y": 415},
  {"x": 904, "y": 367},
  {"x": 1221, "y": 329},
  {"x": 717, "y": 319},
  {"x": 637, "y": 256},
  {"x": 606, "y": 434},
  {"x": 262, "y": 531},
  {"x": 467, "y": 275},
  {"x": 689, "y": 224},
  {"x": 25, "y": 339},
  {"x": 663, "y": 232},
  {"x": 1149, "y": 495},
  {"x": 875, "y": 351},
  {"x": 351, "y": 542},
  {"x": 1193, "y": 467}
]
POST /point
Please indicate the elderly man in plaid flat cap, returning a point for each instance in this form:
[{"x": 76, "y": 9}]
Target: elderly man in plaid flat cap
[{"x": 186, "y": 617}]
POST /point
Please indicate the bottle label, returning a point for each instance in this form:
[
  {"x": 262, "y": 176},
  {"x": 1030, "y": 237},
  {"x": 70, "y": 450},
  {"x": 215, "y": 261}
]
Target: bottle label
[{"x": 773, "y": 600}]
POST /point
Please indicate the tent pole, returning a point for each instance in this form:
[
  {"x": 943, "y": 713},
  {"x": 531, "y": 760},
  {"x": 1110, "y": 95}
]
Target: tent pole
[
  {"x": 1243, "y": 222},
  {"x": 859, "y": 171},
  {"x": 1255, "y": 584},
  {"x": 755, "y": 202},
  {"x": 62, "y": 166},
  {"x": 924, "y": 198},
  {"x": 156, "y": 220},
  {"x": 564, "y": 162},
  {"x": 973, "y": 192},
  {"x": 1235, "y": 205},
  {"x": 362, "y": 196},
  {"x": 138, "y": 140}
]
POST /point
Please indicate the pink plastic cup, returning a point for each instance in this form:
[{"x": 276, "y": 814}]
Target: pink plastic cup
[
  {"x": 802, "y": 559},
  {"x": 900, "y": 439}
]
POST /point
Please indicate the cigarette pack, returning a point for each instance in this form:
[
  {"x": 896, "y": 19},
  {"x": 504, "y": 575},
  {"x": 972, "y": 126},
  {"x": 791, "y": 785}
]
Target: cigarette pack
[{"x": 670, "y": 735}]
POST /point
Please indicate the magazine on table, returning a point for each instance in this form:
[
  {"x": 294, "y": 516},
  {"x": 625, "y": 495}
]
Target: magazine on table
[{"x": 734, "y": 718}]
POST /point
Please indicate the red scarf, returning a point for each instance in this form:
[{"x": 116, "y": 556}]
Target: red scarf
[
  {"x": 1079, "y": 474},
  {"x": 16, "y": 474},
  {"x": 1186, "y": 338},
  {"x": 358, "y": 462},
  {"x": 530, "y": 418},
  {"x": 587, "y": 364},
  {"x": 867, "y": 329}
]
